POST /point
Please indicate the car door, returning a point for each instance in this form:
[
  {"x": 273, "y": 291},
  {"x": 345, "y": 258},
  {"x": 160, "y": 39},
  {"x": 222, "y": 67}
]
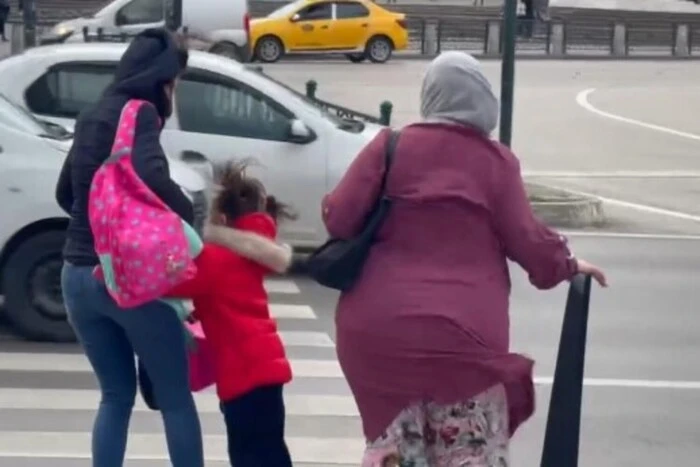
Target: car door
[
  {"x": 310, "y": 28},
  {"x": 350, "y": 25},
  {"x": 138, "y": 15},
  {"x": 220, "y": 119},
  {"x": 64, "y": 90}
]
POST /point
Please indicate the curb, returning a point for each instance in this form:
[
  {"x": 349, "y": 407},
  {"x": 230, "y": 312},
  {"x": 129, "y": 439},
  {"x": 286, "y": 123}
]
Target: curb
[{"x": 562, "y": 208}]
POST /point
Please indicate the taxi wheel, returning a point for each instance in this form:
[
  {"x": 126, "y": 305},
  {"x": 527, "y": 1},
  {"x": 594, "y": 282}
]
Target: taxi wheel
[
  {"x": 356, "y": 58},
  {"x": 269, "y": 49},
  {"x": 379, "y": 49}
]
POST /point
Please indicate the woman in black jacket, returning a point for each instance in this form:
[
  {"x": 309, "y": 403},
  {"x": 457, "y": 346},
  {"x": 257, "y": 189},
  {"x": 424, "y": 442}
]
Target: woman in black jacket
[{"x": 109, "y": 335}]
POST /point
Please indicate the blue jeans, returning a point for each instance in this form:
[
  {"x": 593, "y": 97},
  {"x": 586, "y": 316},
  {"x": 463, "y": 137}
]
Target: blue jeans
[{"x": 110, "y": 337}]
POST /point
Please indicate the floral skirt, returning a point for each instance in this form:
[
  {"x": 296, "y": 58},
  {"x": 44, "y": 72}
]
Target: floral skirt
[{"x": 472, "y": 433}]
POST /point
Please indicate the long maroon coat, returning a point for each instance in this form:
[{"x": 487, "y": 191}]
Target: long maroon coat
[{"x": 428, "y": 318}]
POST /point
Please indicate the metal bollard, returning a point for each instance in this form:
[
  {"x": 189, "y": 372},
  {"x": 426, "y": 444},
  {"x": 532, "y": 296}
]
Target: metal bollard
[
  {"x": 311, "y": 87},
  {"x": 385, "y": 109}
]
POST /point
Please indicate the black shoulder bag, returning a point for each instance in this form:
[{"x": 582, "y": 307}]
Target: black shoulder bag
[{"x": 338, "y": 263}]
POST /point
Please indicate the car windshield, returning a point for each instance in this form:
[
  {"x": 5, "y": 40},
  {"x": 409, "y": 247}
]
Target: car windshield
[
  {"x": 337, "y": 121},
  {"x": 20, "y": 117},
  {"x": 288, "y": 9}
]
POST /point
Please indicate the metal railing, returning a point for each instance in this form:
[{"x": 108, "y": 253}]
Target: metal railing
[{"x": 573, "y": 35}]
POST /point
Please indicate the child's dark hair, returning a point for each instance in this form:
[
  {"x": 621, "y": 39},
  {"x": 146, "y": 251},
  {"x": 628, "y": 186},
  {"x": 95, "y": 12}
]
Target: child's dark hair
[{"x": 240, "y": 195}]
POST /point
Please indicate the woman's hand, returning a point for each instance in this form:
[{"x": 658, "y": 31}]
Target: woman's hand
[{"x": 584, "y": 267}]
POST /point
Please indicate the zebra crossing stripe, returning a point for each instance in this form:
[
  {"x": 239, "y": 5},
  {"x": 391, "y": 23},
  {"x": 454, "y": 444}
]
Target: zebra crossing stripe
[
  {"x": 58, "y": 445},
  {"x": 284, "y": 311},
  {"x": 306, "y": 405},
  {"x": 55, "y": 362},
  {"x": 281, "y": 286}
]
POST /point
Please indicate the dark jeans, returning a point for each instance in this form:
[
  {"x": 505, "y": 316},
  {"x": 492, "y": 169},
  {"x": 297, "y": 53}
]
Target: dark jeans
[
  {"x": 110, "y": 337},
  {"x": 255, "y": 428}
]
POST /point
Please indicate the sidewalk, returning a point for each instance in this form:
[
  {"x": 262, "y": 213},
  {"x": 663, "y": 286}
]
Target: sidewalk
[{"x": 667, "y": 6}]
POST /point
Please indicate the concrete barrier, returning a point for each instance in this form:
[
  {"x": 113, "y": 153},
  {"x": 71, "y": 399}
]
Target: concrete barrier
[{"x": 563, "y": 209}]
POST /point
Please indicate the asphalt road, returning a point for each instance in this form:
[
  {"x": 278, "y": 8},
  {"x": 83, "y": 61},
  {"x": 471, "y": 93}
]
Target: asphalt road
[
  {"x": 623, "y": 130},
  {"x": 639, "y": 408},
  {"x": 632, "y": 139}
]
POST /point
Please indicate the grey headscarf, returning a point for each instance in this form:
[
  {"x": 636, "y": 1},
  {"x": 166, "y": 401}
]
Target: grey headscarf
[{"x": 455, "y": 90}]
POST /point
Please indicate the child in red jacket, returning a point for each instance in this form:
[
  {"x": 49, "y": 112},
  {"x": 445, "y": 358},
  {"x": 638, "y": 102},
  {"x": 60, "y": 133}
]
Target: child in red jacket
[{"x": 231, "y": 302}]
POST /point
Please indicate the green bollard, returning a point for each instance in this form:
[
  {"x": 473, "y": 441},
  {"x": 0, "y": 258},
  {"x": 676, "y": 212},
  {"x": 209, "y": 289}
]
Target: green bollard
[
  {"x": 311, "y": 87},
  {"x": 385, "y": 109}
]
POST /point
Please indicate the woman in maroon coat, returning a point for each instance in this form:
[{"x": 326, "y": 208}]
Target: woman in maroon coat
[{"x": 423, "y": 337}]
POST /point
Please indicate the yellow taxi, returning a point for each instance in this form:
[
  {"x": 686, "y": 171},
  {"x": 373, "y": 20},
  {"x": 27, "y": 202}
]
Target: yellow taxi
[{"x": 359, "y": 29}]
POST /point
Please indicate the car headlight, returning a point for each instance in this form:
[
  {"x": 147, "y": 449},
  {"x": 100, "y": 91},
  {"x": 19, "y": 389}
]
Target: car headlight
[{"x": 63, "y": 30}]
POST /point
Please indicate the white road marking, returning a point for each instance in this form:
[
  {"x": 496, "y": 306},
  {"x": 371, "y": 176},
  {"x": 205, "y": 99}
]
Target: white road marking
[
  {"x": 631, "y": 174},
  {"x": 32, "y": 362},
  {"x": 306, "y": 339},
  {"x": 629, "y": 236},
  {"x": 284, "y": 311},
  {"x": 52, "y": 445},
  {"x": 582, "y": 100},
  {"x": 628, "y": 383},
  {"x": 636, "y": 206},
  {"x": 281, "y": 286},
  {"x": 302, "y": 368},
  {"x": 308, "y": 405}
]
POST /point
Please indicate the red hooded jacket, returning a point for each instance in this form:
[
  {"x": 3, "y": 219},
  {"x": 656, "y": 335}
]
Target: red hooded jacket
[{"x": 231, "y": 302}]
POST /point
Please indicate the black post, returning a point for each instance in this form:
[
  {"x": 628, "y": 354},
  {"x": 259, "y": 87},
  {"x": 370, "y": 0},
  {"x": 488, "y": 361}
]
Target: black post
[
  {"x": 510, "y": 20},
  {"x": 29, "y": 19},
  {"x": 563, "y": 431}
]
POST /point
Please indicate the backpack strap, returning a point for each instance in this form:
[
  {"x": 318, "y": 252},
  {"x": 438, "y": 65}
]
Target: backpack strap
[
  {"x": 126, "y": 130},
  {"x": 388, "y": 158}
]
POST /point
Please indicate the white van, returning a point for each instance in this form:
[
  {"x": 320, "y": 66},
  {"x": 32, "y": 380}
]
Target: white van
[
  {"x": 32, "y": 230},
  {"x": 223, "y": 26}
]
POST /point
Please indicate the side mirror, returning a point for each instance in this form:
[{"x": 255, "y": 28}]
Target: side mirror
[
  {"x": 295, "y": 17},
  {"x": 200, "y": 163},
  {"x": 300, "y": 133}
]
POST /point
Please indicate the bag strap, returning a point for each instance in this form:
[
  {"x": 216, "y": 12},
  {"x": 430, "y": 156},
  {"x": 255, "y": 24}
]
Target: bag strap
[
  {"x": 121, "y": 142},
  {"x": 388, "y": 158}
]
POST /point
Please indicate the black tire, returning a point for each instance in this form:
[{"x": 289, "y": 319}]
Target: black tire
[
  {"x": 32, "y": 286},
  {"x": 229, "y": 50},
  {"x": 269, "y": 49},
  {"x": 356, "y": 57},
  {"x": 379, "y": 49}
]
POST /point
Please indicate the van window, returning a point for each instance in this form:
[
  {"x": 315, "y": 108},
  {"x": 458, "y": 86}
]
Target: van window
[
  {"x": 347, "y": 10},
  {"x": 221, "y": 106},
  {"x": 65, "y": 90},
  {"x": 317, "y": 11},
  {"x": 141, "y": 12}
]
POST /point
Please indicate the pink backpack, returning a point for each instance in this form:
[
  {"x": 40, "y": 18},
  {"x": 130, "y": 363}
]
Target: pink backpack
[{"x": 143, "y": 246}]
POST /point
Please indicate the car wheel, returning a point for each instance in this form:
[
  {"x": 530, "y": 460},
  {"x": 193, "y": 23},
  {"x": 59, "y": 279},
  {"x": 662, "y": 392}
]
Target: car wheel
[
  {"x": 379, "y": 49},
  {"x": 32, "y": 286},
  {"x": 356, "y": 58},
  {"x": 269, "y": 49},
  {"x": 227, "y": 49}
]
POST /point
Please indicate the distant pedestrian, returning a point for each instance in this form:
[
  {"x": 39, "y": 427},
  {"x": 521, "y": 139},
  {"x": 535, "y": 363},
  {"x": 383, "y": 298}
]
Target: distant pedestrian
[
  {"x": 423, "y": 336},
  {"x": 4, "y": 14}
]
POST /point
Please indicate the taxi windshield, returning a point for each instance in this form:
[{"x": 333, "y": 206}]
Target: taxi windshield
[{"x": 287, "y": 10}]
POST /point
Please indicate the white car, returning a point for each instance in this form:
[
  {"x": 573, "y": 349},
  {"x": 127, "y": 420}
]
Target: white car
[
  {"x": 32, "y": 226},
  {"x": 223, "y": 25},
  {"x": 223, "y": 110}
]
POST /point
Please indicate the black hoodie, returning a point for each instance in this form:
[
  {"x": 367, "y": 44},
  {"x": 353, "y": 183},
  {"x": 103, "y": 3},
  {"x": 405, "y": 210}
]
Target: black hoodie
[{"x": 151, "y": 60}]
